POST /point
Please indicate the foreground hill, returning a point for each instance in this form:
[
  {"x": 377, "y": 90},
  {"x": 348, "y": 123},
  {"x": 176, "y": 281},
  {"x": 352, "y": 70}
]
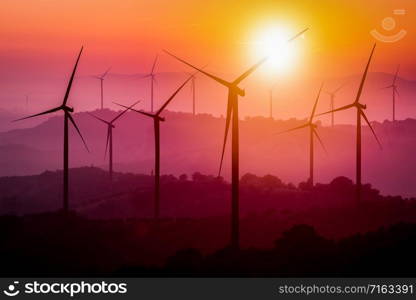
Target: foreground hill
[
  {"x": 110, "y": 230},
  {"x": 328, "y": 207},
  {"x": 54, "y": 245}
]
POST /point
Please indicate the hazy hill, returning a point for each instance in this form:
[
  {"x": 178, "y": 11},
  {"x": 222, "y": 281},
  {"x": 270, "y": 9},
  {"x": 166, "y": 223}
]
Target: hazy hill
[
  {"x": 190, "y": 144},
  {"x": 293, "y": 96}
]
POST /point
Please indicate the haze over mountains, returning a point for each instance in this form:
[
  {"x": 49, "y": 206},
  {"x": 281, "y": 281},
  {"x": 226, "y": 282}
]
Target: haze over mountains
[
  {"x": 292, "y": 96},
  {"x": 190, "y": 144}
]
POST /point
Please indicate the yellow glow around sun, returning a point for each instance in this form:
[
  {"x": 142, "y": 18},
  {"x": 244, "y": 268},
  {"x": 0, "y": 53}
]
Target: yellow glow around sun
[{"x": 273, "y": 42}]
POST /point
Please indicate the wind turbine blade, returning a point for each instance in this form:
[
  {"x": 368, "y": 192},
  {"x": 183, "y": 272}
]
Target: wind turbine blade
[
  {"x": 105, "y": 73},
  {"x": 77, "y": 129},
  {"x": 135, "y": 110},
  {"x": 360, "y": 89},
  {"x": 396, "y": 91},
  {"x": 337, "y": 109},
  {"x": 295, "y": 128},
  {"x": 154, "y": 64},
  {"x": 68, "y": 89},
  {"x": 124, "y": 111},
  {"x": 387, "y": 87},
  {"x": 222, "y": 81},
  {"x": 253, "y": 68},
  {"x": 39, "y": 114},
  {"x": 371, "y": 127},
  {"x": 298, "y": 35},
  {"x": 395, "y": 75},
  {"x": 249, "y": 71},
  {"x": 316, "y": 103},
  {"x": 99, "y": 119},
  {"x": 227, "y": 128},
  {"x": 319, "y": 140},
  {"x": 107, "y": 142},
  {"x": 340, "y": 87},
  {"x": 173, "y": 95}
]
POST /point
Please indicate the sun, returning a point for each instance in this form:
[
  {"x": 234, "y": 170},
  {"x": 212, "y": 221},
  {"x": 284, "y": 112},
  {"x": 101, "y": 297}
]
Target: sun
[{"x": 272, "y": 42}]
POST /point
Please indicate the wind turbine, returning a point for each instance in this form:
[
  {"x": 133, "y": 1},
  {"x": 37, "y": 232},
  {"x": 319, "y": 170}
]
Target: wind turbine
[
  {"x": 232, "y": 116},
  {"x": 109, "y": 143},
  {"x": 332, "y": 95},
  {"x": 394, "y": 91},
  {"x": 152, "y": 76},
  {"x": 360, "y": 114},
  {"x": 271, "y": 100},
  {"x": 101, "y": 79},
  {"x": 156, "y": 124},
  {"x": 312, "y": 132},
  {"x": 193, "y": 93},
  {"x": 67, "y": 117}
]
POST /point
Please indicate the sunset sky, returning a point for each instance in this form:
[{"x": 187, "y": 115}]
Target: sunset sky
[{"x": 39, "y": 38}]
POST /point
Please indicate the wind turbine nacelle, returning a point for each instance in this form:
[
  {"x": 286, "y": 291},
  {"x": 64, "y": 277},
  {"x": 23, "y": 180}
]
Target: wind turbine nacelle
[
  {"x": 68, "y": 109},
  {"x": 362, "y": 106},
  {"x": 161, "y": 119},
  {"x": 241, "y": 92}
]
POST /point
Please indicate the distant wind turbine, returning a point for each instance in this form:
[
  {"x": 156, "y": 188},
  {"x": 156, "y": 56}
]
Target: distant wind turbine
[
  {"x": 152, "y": 76},
  {"x": 312, "y": 132},
  {"x": 101, "y": 79},
  {"x": 193, "y": 94},
  {"x": 394, "y": 91},
  {"x": 360, "y": 114},
  {"x": 193, "y": 91},
  {"x": 156, "y": 123},
  {"x": 232, "y": 115},
  {"x": 67, "y": 116},
  {"x": 109, "y": 142},
  {"x": 332, "y": 95},
  {"x": 271, "y": 100},
  {"x": 27, "y": 102}
]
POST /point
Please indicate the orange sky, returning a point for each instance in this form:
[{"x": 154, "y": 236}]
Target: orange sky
[
  {"x": 41, "y": 37},
  {"x": 125, "y": 31}
]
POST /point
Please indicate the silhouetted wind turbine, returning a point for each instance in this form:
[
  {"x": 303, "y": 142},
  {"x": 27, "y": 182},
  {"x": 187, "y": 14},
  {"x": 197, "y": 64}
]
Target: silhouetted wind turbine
[
  {"x": 193, "y": 93},
  {"x": 152, "y": 76},
  {"x": 332, "y": 95},
  {"x": 67, "y": 116},
  {"x": 101, "y": 79},
  {"x": 271, "y": 100},
  {"x": 109, "y": 142},
  {"x": 232, "y": 114},
  {"x": 360, "y": 114},
  {"x": 394, "y": 91},
  {"x": 156, "y": 123},
  {"x": 312, "y": 132}
]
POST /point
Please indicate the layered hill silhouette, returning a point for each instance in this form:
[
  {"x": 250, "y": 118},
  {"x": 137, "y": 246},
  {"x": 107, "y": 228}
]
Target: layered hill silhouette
[
  {"x": 285, "y": 230},
  {"x": 206, "y": 196},
  {"x": 292, "y": 94},
  {"x": 192, "y": 144}
]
